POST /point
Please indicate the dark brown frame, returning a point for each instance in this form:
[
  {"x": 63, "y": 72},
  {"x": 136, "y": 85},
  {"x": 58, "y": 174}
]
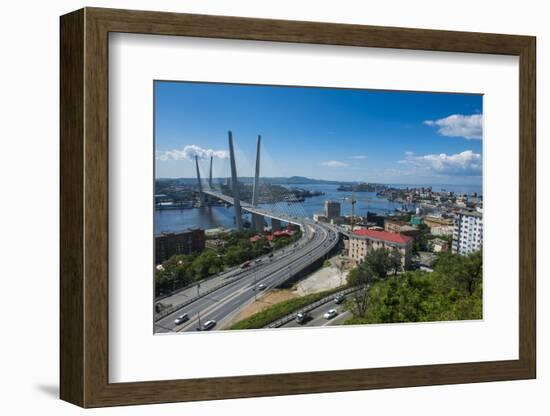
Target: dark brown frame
[{"x": 84, "y": 208}]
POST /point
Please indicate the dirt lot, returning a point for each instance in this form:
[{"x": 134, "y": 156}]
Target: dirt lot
[
  {"x": 270, "y": 298},
  {"x": 327, "y": 277}
]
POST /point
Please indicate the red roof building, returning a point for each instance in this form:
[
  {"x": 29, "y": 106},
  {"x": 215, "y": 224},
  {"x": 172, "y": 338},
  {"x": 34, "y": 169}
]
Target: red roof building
[
  {"x": 283, "y": 233},
  {"x": 361, "y": 242},
  {"x": 274, "y": 236},
  {"x": 384, "y": 236},
  {"x": 255, "y": 238}
]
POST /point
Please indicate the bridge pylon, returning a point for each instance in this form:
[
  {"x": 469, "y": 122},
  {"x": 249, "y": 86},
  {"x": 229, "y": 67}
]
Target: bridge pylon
[
  {"x": 201, "y": 194},
  {"x": 210, "y": 177},
  {"x": 257, "y": 220},
  {"x": 235, "y": 184}
]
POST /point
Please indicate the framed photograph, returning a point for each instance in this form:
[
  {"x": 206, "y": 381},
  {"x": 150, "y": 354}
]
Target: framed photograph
[{"x": 255, "y": 207}]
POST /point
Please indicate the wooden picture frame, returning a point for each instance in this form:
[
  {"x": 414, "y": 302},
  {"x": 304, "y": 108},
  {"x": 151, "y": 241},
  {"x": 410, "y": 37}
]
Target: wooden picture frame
[{"x": 84, "y": 207}]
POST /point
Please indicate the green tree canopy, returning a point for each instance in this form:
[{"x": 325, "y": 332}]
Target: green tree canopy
[{"x": 453, "y": 291}]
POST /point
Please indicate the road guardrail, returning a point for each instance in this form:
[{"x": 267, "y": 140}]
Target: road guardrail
[
  {"x": 170, "y": 310},
  {"x": 286, "y": 319}
]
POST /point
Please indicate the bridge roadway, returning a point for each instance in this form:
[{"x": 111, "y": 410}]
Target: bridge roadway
[
  {"x": 245, "y": 206},
  {"x": 223, "y": 304}
]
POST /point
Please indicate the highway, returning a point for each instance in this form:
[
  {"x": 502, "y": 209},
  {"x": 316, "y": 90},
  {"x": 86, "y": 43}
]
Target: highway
[
  {"x": 318, "y": 319},
  {"x": 225, "y": 302}
]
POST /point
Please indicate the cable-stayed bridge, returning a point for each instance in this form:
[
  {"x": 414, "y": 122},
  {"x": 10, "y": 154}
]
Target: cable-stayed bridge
[{"x": 318, "y": 239}]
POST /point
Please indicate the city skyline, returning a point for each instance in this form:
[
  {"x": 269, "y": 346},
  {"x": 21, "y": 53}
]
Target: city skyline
[{"x": 320, "y": 133}]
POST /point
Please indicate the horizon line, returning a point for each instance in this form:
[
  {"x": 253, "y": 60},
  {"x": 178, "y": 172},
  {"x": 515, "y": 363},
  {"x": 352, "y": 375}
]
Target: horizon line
[{"x": 327, "y": 180}]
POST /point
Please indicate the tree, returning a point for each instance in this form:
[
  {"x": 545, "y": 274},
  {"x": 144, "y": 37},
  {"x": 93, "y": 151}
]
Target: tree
[
  {"x": 281, "y": 242},
  {"x": 421, "y": 240},
  {"x": 362, "y": 275},
  {"x": 358, "y": 304},
  {"x": 395, "y": 261},
  {"x": 462, "y": 272},
  {"x": 208, "y": 263},
  {"x": 379, "y": 262},
  {"x": 453, "y": 291},
  {"x": 376, "y": 266}
]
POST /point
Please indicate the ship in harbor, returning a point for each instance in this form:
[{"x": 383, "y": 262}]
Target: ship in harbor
[{"x": 362, "y": 187}]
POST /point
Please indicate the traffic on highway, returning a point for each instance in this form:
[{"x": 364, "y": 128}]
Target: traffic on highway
[{"x": 214, "y": 310}]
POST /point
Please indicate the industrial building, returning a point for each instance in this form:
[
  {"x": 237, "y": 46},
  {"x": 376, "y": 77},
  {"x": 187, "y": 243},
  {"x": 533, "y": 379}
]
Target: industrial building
[{"x": 185, "y": 242}]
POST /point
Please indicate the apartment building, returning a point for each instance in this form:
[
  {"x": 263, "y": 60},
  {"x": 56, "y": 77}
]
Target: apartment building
[
  {"x": 467, "y": 232},
  {"x": 361, "y": 242}
]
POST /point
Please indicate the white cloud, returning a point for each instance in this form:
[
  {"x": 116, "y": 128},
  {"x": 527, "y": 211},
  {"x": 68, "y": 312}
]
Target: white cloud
[
  {"x": 359, "y": 157},
  {"x": 458, "y": 125},
  {"x": 466, "y": 163},
  {"x": 334, "y": 164},
  {"x": 190, "y": 151}
]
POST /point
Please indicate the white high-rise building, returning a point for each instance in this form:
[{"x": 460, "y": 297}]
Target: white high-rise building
[{"x": 467, "y": 232}]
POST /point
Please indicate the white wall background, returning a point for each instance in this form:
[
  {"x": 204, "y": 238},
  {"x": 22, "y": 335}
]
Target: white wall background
[{"x": 29, "y": 159}]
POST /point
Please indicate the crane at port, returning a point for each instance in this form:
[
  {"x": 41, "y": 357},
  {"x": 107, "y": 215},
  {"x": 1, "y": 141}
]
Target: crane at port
[{"x": 353, "y": 202}]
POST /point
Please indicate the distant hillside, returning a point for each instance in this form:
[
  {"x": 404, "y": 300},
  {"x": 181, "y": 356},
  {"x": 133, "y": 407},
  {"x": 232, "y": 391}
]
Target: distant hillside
[{"x": 293, "y": 180}]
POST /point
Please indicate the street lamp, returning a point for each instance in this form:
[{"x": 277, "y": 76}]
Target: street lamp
[{"x": 199, "y": 316}]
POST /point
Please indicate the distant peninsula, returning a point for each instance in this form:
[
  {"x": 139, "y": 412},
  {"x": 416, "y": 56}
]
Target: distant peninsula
[{"x": 292, "y": 180}]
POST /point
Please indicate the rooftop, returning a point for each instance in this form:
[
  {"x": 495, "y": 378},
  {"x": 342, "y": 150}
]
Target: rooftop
[
  {"x": 471, "y": 213},
  {"x": 395, "y": 221},
  {"x": 439, "y": 220},
  {"x": 384, "y": 236},
  {"x": 184, "y": 231}
]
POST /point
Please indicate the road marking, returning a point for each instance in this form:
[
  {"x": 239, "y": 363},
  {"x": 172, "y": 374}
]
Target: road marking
[{"x": 270, "y": 269}]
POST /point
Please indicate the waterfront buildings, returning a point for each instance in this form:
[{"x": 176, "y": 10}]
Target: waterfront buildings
[
  {"x": 215, "y": 243},
  {"x": 361, "y": 242},
  {"x": 332, "y": 209},
  {"x": 467, "y": 232},
  {"x": 401, "y": 227},
  {"x": 376, "y": 219},
  {"x": 432, "y": 221},
  {"x": 393, "y": 225},
  {"x": 439, "y": 226},
  {"x": 184, "y": 242}
]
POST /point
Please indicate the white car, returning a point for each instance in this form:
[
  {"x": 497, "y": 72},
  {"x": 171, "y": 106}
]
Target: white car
[
  {"x": 261, "y": 286},
  {"x": 181, "y": 319},
  {"x": 208, "y": 325},
  {"x": 331, "y": 313}
]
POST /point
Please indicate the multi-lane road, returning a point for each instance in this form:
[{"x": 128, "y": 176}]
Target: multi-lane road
[
  {"x": 224, "y": 303},
  {"x": 318, "y": 319}
]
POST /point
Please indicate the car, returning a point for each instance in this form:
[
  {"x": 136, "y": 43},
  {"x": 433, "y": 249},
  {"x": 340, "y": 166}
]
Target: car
[
  {"x": 208, "y": 325},
  {"x": 261, "y": 286},
  {"x": 331, "y": 313},
  {"x": 302, "y": 317},
  {"x": 270, "y": 255},
  {"x": 181, "y": 319},
  {"x": 338, "y": 299},
  {"x": 245, "y": 265}
]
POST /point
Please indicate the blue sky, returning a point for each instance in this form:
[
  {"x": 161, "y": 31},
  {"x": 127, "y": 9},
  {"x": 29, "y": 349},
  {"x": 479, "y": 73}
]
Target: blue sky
[{"x": 324, "y": 133}]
